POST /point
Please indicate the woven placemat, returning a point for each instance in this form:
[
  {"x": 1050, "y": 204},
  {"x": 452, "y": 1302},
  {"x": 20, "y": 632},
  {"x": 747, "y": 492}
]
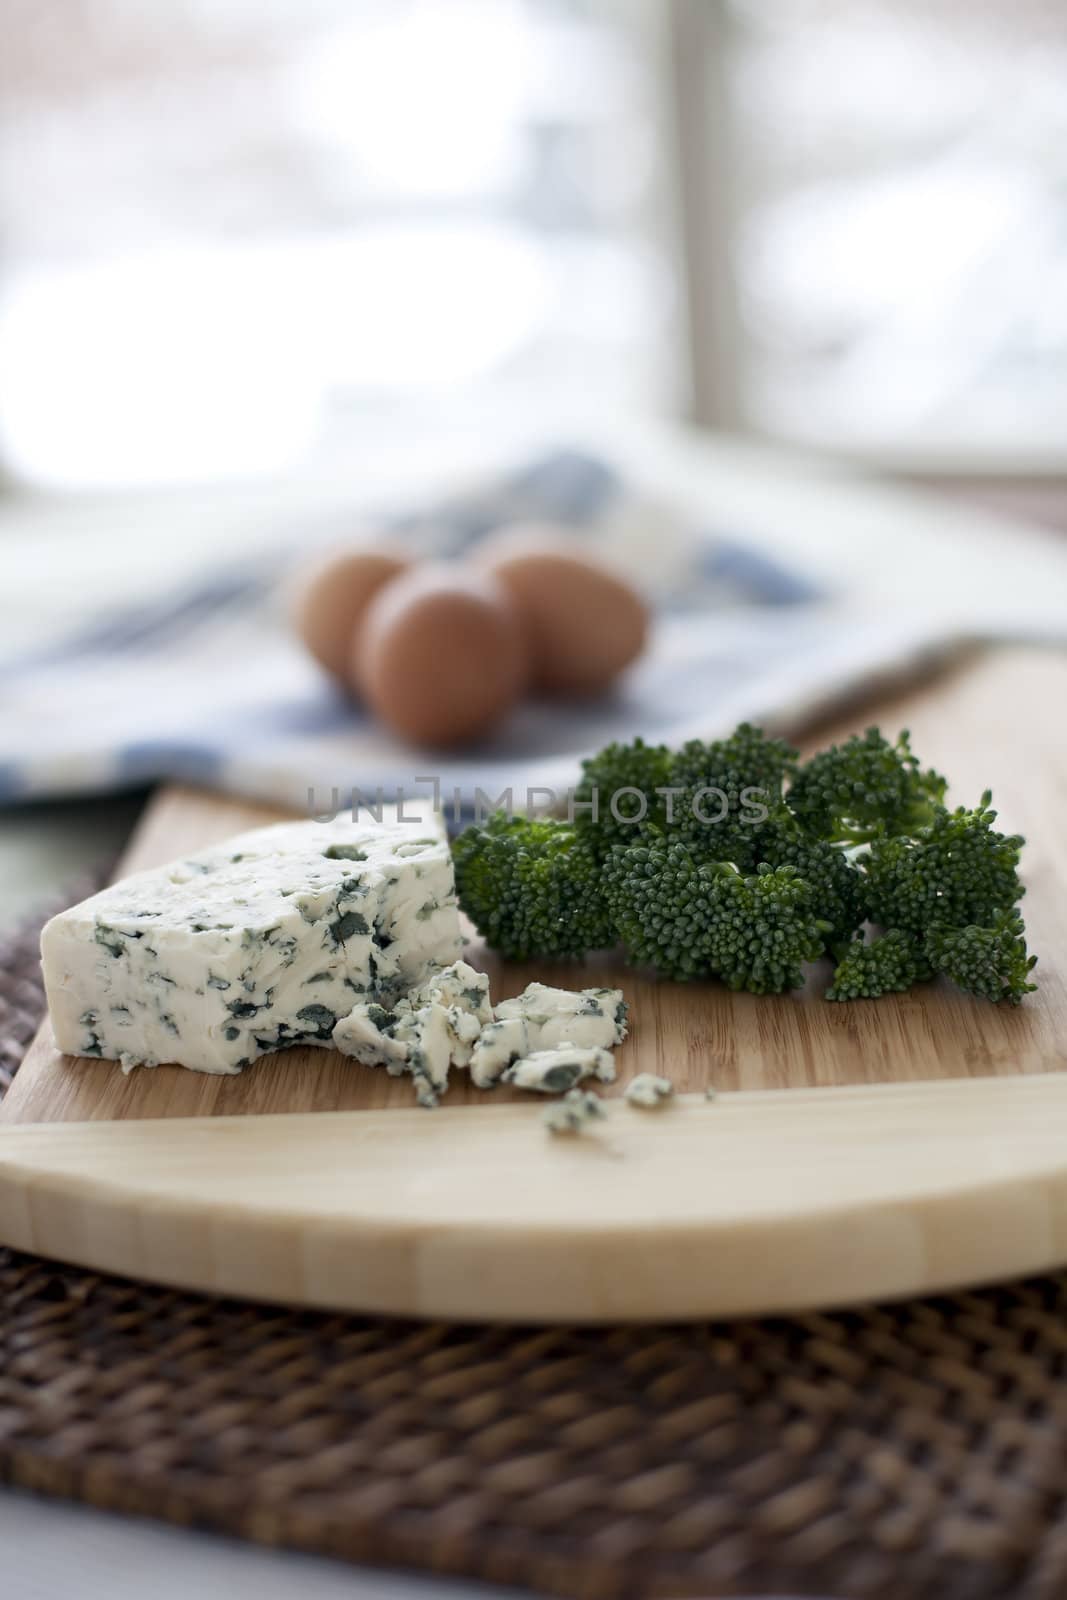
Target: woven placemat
[
  {"x": 21, "y": 987},
  {"x": 912, "y": 1452}
]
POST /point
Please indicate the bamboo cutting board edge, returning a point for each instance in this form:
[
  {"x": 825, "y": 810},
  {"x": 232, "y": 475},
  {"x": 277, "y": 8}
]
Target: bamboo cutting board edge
[{"x": 857, "y": 1194}]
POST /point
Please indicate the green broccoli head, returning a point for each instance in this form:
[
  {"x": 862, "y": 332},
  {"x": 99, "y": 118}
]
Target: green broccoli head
[
  {"x": 613, "y": 775},
  {"x": 720, "y": 874},
  {"x": 838, "y": 886},
  {"x": 957, "y": 870},
  {"x": 660, "y": 899},
  {"x": 749, "y": 755},
  {"x": 724, "y": 791},
  {"x": 691, "y": 918},
  {"x": 764, "y": 931},
  {"x": 866, "y": 784},
  {"x": 532, "y": 887},
  {"x": 889, "y": 964},
  {"x": 989, "y": 961}
]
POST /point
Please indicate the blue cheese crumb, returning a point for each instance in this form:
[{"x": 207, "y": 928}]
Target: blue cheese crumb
[
  {"x": 432, "y": 1028},
  {"x": 555, "y": 1071},
  {"x": 367, "y": 1034},
  {"x": 425, "y": 1031},
  {"x": 648, "y": 1090},
  {"x": 463, "y": 993},
  {"x": 499, "y": 1044},
  {"x": 574, "y": 1113},
  {"x": 448, "y": 1020},
  {"x": 592, "y": 1018},
  {"x": 416, "y": 1040}
]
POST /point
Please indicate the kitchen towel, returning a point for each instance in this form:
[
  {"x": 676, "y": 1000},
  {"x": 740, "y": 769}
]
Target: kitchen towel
[{"x": 209, "y": 686}]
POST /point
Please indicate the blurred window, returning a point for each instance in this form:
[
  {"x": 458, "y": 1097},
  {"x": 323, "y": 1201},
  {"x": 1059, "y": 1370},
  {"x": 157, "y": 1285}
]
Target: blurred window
[
  {"x": 900, "y": 254},
  {"x": 228, "y": 227},
  {"x": 235, "y": 232}
]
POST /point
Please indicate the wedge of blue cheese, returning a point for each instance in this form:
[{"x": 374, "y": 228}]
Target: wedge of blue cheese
[{"x": 260, "y": 943}]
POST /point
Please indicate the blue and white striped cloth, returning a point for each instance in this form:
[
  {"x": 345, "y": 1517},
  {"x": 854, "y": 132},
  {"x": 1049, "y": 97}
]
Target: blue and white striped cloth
[{"x": 208, "y": 686}]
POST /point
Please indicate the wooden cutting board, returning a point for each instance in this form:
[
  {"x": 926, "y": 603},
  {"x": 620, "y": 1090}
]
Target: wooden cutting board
[{"x": 882, "y": 1148}]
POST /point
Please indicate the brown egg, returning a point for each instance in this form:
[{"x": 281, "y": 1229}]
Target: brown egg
[
  {"x": 441, "y": 657},
  {"x": 583, "y": 624},
  {"x": 330, "y": 605}
]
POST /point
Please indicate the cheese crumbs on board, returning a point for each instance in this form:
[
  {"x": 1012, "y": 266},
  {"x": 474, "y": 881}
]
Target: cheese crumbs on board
[
  {"x": 648, "y": 1090},
  {"x": 574, "y": 1113},
  {"x": 553, "y": 1071}
]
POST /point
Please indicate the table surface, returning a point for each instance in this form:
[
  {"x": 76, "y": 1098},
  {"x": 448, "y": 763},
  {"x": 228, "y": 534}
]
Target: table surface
[
  {"x": 112, "y": 1556},
  {"x": 115, "y": 1558}
]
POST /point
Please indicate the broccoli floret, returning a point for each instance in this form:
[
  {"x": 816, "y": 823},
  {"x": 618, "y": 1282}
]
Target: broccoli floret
[
  {"x": 531, "y": 887},
  {"x": 782, "y": 877},
  {"x": 765, "y": 930},
  {"x": 749, "y": 754},
  {"x": 743, "y": 777},
  {"x": 692, "y": 918},
  {"x": 838, "y": 885},
  {"x": 619, "y": 767},
  {"x": 854, "y": 790},
  {"x": 956, "y": 871},
  {"x": 889, "y": 964},
  {"x": 744, "y": 772},
  {"x": 990, "y": 961},
  {"x": 660, "y": 899}
]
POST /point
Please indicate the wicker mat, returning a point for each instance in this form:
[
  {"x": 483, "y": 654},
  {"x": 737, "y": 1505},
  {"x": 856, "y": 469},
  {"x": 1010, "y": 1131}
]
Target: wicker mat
[{"x": 901, "y": 1452}]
